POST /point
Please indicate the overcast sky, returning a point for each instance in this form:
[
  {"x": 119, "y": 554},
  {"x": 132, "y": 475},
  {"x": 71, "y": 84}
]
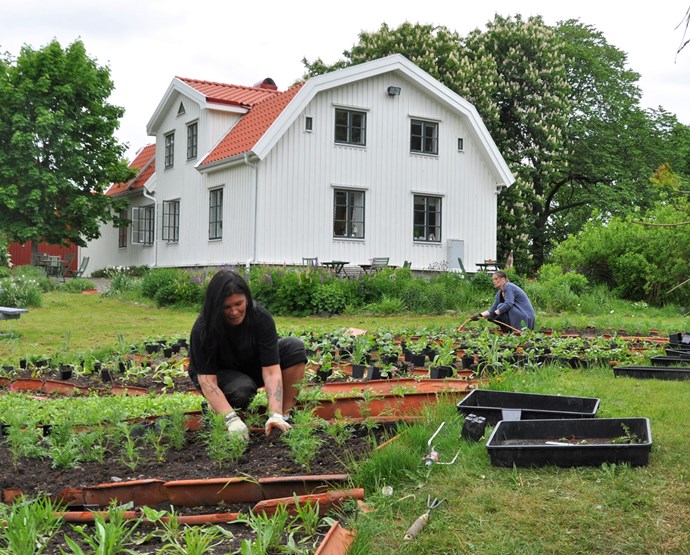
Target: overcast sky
[{"x": 148, "y": 42}]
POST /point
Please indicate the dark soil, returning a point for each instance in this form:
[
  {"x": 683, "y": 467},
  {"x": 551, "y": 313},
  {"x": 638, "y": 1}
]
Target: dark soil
[{"x": 264, "y": 457}]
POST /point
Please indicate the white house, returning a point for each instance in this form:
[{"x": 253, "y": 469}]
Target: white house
[{"x": 374, "y": 160}]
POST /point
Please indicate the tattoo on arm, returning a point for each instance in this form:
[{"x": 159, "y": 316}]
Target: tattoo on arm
[
  {"x": 212, "y": 388},
  {"x": 276, "y": 393}
]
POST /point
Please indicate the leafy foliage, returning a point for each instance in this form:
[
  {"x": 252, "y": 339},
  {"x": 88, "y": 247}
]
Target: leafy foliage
[{"x": 59, "y": 152}]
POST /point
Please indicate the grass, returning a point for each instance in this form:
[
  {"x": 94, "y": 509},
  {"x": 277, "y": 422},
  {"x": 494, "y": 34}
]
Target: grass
[
  {"x": 608, "y": 509},
  {"x": 611, "y": 509}
]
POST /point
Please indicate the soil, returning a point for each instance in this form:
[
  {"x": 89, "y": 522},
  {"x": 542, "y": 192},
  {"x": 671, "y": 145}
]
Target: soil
[{"x": 264, "y": 457}]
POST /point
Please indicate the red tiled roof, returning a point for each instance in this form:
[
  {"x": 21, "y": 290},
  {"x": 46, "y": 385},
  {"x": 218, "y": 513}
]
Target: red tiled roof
[
  {"x": 236, "y": 95},
  {"x": 252, "y": 126},
  {"x": 145, "y": 164}
]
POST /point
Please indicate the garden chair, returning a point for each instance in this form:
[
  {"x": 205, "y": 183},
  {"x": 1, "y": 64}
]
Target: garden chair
[
  {"x": 352, "y": 272},
  {"x": 379, "y": 263},
  {"x": 407, "y": 264},
  {"x": 80, "y": 272},
  {"x": 310, "y": 262}
]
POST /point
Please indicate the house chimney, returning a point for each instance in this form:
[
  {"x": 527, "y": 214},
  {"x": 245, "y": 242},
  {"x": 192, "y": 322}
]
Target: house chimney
[{"x": 268, "y": 84}]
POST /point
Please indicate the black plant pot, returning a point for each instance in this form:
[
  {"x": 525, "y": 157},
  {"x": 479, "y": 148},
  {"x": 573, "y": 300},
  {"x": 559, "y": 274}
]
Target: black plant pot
[
  {"x": 375, "y": 373},
  {"x": 66, "y": 371},
  {"x": 22, "y": 364},
  {"x": 467, "y": 362},
  {"x": 417, "y": 360},
  {"x": 152, "y": 348},
  {"x": 358, "y": 371},
  {"x": 8, "y": 368},
  {"x": 440, "y": 372},
  {"x": 323, "y": 375},
  {"x": 167, "y": 352},
  {"x": 106, "y": 376}
]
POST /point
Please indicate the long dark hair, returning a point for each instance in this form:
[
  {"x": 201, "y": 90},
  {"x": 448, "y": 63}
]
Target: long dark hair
[{"x": 221, "y": 286}]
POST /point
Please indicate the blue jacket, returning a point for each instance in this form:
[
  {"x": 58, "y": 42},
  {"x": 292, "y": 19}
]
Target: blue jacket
[{"x": 514, "y": 307}]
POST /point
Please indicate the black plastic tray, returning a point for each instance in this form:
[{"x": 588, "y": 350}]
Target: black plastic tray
[
  {"x": 665, "y": 360},
  {"x": 571, "y": 442},
  {"x": 507, "y": 405},
  {"x": 658, "y": 372}
]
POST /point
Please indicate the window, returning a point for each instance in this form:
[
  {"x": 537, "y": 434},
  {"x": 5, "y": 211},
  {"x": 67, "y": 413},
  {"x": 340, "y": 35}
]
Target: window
[
  {"x": 122, "y": 231},
  {"x": 308, "y": 123},
  {"x": 192, "y": 140},
  {"x": 142, "y": 225},
  {"x": 181, "y": 111},
  {"x": 171, "y": 221},
  {"x": 348, "y": 214},
  {"x": 427, "y": 219},
  {"x": 350, "y": 127},
  {"x": 169, "y": 150},
  {"x": 424, "y": 137},
  {"x": 461, "y": 144},
  {"x": 215, "y": 214}
]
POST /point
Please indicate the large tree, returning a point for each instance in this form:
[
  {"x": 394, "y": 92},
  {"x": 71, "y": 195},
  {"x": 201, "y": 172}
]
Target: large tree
[{"x": 58, "y": 152}]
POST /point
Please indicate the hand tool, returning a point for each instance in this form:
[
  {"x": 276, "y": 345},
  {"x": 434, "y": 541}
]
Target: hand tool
[{"x": 418, "y": 524}]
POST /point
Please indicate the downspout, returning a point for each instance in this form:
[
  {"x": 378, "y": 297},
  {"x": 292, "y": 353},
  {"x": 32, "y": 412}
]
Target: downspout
[
  {"x": 155, "y": 225},
  {"x": 254, "y": 211}
]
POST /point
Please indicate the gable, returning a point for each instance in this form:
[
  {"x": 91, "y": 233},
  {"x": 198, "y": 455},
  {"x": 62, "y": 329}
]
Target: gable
[
  {"x": 258, "y": 132},
  {"x": 145, "y": 163}
]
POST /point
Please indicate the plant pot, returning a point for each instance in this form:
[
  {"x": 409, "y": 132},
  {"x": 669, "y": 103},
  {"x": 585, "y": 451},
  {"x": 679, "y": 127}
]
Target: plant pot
[
  {"x": 66, "y": 371},
  {"x": 359, "y": 371},
  {"x": 506, "y": 405},
  {"x": 323, "y": 375},
  {"x": 570, "y": 442},
  {"x": 418, "y": 360},
  {"x": 440, "y": 372},
  {"x": 22, "y": 363},
  {"x": 106, "y": 375},
  {"x": 152, "y": 348},
  {"x": 167, "y": 352},
  {"x": 375, "y": 373}
]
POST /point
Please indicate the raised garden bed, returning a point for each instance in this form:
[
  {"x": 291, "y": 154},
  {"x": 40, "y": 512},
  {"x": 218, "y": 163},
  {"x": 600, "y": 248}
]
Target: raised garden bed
[
  {"x": 505, "y": 405},
  {"x": 570, "y": 442}
]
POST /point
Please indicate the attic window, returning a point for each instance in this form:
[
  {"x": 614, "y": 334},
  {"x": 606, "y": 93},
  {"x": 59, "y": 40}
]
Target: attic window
[
  {"x": 308, "y": 123},
  {"x": 461, "y": 144},
  {"x": 181, "y": 111}
]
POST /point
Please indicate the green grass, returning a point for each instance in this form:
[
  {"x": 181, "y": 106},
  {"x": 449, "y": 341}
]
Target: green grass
[{"x": 612, "y": 509}]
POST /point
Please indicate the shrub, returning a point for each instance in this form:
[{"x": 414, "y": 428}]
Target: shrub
[
  {"x": 20, "y": 292},
  {"x": 328, "y": 297},
  {"x": 78, "y": 285}
]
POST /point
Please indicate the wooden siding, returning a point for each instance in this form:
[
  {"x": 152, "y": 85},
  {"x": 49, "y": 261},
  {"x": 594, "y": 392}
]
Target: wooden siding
[{"x": 296, "y": 182}]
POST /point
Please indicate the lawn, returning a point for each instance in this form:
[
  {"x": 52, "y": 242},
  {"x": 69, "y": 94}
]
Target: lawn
[{"x": 612, "y": 509}]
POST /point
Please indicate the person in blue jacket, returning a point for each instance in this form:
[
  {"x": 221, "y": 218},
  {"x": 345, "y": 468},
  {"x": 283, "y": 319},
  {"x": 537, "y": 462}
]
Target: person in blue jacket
[{"x": 512, "y": 309}]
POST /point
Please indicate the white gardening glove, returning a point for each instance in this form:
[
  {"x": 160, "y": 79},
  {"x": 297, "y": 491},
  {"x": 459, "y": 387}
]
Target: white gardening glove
[
  {"x": 235, "y": 426},
  {"x": 276, "y": 421}
]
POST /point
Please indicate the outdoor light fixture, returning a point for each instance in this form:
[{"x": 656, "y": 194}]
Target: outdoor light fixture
[{"x": 393, "y": 91}]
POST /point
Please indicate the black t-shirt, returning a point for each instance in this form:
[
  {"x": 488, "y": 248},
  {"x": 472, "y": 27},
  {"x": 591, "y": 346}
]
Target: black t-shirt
[{"x": 246, "y": 348}]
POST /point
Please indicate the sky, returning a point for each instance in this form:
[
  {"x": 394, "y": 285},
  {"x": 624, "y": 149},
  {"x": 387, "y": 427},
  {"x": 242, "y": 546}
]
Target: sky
[{"x": 146, "y": 43}]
